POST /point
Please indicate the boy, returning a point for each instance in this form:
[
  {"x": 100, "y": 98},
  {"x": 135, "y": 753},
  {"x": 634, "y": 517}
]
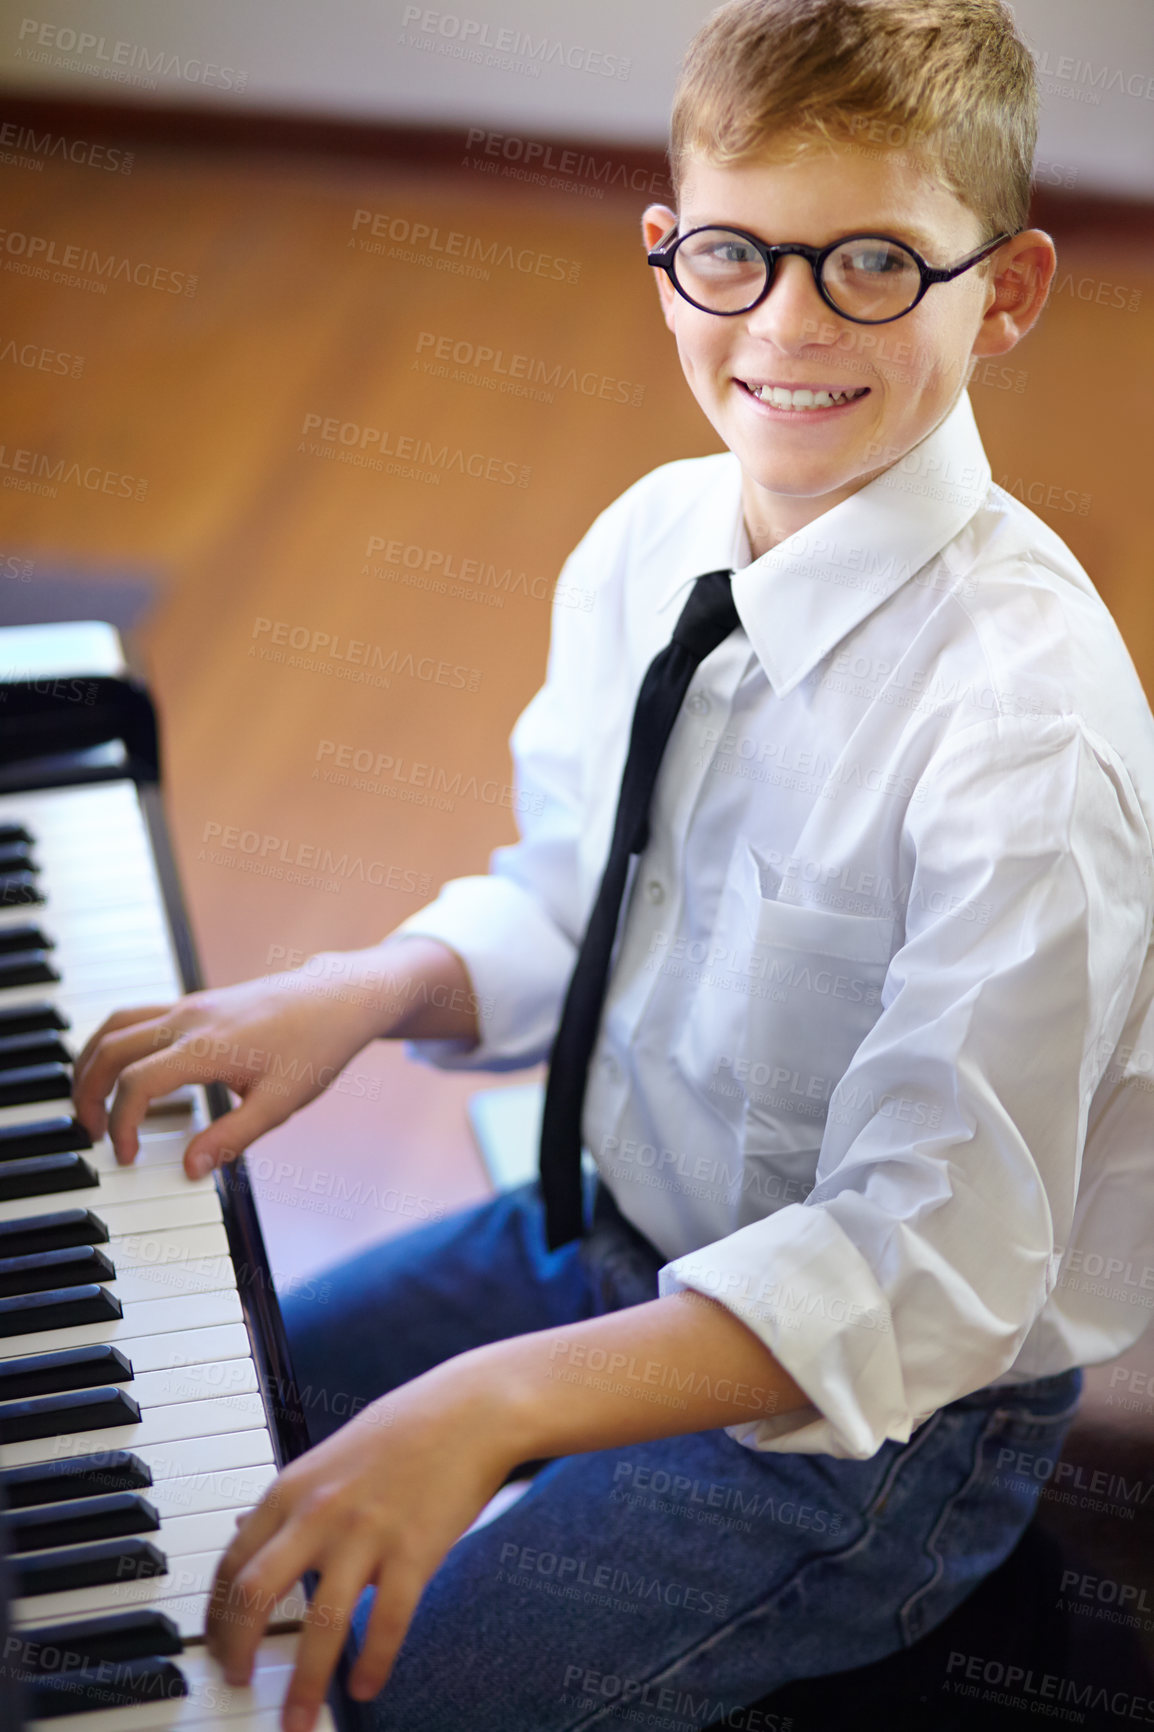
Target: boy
[{"x": 865, "y": 1095}]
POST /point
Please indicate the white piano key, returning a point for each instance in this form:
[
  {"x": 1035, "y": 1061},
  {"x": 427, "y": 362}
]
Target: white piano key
[
  {"x": 190, "y": 1494},
  {"x": 160, "y": 1146},
  {"x": 61, "y": 900},
  {"x": 142, "y": 981},
  {"x": 89, "y": 967},
  {"x": 170, "y": 1245},
  {"x": 167, "y": 1352},
  {"x": 210, "y": 1701},
  {"x": 75, "y": 938},
  {"x": 222, "y": 1453},
  {"x": 182, "y": 1595},
  {"x": 199, "y": 1207},
  {"x": 146, "y": 1317},
  {"x": 136, "y": 1183},
  {"x": 159, "y": 1186},
  {"x": 207, "y": 1380},
  {"x": 181, "y": 1260},
  {"x": 238, "y": 1720},
  {"x": 161, "y": 1118},
  {"x": 89, "y": 927},
  {"x": 175, "y": 1424},
  {"x": 190, "y": 1498},
  {"x": 181, "y": 1535}
]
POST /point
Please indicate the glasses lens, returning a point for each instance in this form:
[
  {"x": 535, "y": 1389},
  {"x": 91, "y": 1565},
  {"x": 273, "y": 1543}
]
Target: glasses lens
[
  {"x": 871, "y": 278},
  {"x": 720, "y": 270}
]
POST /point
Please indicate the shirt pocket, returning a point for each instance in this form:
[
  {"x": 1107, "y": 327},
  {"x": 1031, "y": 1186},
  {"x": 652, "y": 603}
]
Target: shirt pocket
[
  {"x": 786, "y": 997},
  {"x": 822, "y": 974}
]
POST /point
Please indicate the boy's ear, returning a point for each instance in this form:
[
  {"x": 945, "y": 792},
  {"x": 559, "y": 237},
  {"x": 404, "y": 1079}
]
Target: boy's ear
[
  {"x": 656, "y": 221},
  {"x": 1019, "y": 283}
]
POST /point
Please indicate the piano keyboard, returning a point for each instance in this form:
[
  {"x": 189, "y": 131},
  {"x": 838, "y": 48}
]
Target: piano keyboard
[{"x": 132, "y": 1426}]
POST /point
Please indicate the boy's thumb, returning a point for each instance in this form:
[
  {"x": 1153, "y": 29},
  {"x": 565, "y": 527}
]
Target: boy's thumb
[{"x": 228, "y": 1136}]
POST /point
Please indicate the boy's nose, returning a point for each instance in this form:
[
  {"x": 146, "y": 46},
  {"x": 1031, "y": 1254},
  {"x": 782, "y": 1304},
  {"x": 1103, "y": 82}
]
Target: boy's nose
[{"x": 793, "y": 313}]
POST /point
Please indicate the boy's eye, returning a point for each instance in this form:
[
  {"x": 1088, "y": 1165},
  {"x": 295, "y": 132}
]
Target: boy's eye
[
  {"x": 734, "y": 252},
  {"x": 874, "y": 259},
  {"x": 719, "y": 249},
  {"x": 871, "y": 278}
]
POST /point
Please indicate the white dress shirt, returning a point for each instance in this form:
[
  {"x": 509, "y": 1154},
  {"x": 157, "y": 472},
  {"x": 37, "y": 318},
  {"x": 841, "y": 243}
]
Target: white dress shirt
[{"x": 876, "y": 1067}]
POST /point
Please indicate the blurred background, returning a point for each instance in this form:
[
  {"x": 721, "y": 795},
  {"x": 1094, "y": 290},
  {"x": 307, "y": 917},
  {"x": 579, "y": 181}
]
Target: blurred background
[{"x": 346, "y": 312}]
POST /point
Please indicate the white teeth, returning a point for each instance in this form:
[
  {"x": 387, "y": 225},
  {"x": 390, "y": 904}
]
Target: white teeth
[{"x": 781, "y": 398}]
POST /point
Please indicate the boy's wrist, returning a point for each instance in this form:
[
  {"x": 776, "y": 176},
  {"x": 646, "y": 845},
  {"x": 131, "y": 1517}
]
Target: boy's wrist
[
  {"x": 498, "y": 1392},
  {"x": 408, "y": 986}
]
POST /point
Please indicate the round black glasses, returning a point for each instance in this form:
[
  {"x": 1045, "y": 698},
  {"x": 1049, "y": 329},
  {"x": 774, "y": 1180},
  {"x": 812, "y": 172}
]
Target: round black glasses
[{"x": 868, "y": 278}]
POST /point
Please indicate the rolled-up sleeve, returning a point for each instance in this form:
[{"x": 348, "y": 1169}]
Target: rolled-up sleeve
[
  {"x": 516, "y": 929},
  {"x": 951, "y": 1155}
]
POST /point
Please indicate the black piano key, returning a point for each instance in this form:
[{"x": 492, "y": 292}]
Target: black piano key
[
  {"x": 71, "y": 1411},
  {"x": 133, "y": 1683},
  {"x": 44, "y": 1174},
  {"x": 15, "y": 833},
  {"x": 25, "y": 967},
  {"x": 25, "y": 936},
  {"x": 42, "y": 1047},
  {"x": 19, "y": 889},
  {"x": 62, "y": 1308},
  {"x": 74, "y": 1524},
  {"x": 70, "y": 1368},
  {"x": 55, "y": 1136},
  {"x": 75, "y": 1266},
  {"x": 34, "y": 1082},
  {"x": 16, "y": 857},
  {"x": 139, "y": 1635},
  {"x": 34, "y": 1233},
  {"x": 74, "y": 1476},
  {"x": 29, "y": 1018},
  {"x": 92, "y": 1566}
]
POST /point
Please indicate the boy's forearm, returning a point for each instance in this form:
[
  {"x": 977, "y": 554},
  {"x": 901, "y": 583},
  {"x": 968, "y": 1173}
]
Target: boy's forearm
[
  {"x": 679, "y": 1364},
  {"x": 406, "y": 987}
]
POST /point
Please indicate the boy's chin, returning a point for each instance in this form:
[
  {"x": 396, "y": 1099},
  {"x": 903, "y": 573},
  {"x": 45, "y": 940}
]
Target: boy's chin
[{"x": 796, "y": 480}]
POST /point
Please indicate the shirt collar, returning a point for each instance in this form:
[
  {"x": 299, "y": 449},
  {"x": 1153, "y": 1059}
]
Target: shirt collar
[{"x": 802, "y": 597}]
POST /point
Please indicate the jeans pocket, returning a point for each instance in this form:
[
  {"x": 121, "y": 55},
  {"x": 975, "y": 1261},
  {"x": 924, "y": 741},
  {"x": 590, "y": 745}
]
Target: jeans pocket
[
  {"x": 1043, "y": 1412},
  {"x": 1013, "y": 1451}
]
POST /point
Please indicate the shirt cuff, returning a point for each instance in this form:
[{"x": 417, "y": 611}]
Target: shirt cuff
[
  {"x": 807, "y": 1292},
  {"x": 519, "y": 965}
]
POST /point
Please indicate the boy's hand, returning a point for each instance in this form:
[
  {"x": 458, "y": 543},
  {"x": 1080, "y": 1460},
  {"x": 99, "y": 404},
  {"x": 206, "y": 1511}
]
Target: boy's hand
[
  {"x": 276, "y": 1042},
  {"x": 379, "y": 1503}
]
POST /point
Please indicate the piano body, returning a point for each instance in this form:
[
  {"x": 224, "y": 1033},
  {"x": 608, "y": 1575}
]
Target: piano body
[{"x": 143, "y": 1372}]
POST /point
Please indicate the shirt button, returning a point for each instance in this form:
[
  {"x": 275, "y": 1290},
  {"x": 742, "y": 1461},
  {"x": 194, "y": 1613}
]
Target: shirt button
[
  {"x": 609, "y": 1067},
  {"x": 655, "y": 891},
  {"x": 698, "y": 704}
]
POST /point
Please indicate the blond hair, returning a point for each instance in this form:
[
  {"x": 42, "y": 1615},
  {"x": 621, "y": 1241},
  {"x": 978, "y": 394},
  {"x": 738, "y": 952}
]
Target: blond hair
[{"x": 949, "y": 81}]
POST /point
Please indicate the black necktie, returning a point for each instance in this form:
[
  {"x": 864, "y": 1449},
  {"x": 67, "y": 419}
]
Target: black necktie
[{"x": 706, "y": 620}]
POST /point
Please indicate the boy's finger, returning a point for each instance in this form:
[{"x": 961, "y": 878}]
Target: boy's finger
[
  {"x": 253, "y": 1529},
  {"x": 229, "y": 1136},
  {"x": 119, "y": 1019},
  {"x": 394, "y": 1604},
  {"x": 248, "y": 1597},
  {"x": 93, "y": 1081},
  {"x": 143, "y": 1081},
  {"x": 323, "y": 1637}
]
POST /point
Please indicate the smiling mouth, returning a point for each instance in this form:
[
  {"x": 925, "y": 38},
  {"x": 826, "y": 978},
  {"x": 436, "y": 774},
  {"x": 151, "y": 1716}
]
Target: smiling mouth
[{"x": 803, "y": 398}]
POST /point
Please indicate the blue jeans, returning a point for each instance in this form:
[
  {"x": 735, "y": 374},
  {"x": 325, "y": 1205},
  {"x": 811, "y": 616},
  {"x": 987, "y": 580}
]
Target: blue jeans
[{"x": 666, "y": 1583}]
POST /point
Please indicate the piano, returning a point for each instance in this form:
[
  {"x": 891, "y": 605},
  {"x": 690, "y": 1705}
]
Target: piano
[{"x": 144, "y": 1378}]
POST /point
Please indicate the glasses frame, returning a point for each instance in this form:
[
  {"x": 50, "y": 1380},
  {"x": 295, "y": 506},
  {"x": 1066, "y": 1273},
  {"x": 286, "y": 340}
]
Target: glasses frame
[{"x": 665, "y": 252}]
